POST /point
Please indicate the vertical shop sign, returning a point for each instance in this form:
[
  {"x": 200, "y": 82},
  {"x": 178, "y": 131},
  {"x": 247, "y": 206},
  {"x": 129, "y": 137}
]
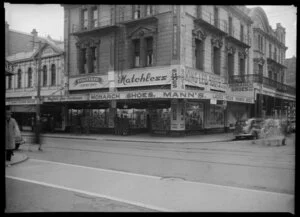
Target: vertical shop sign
[{"x": 177, "y": 77}]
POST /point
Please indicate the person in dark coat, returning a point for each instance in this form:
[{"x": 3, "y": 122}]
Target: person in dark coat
[
  {"x": 117, "y": 125},
  {"x": 10, "y": 131}
]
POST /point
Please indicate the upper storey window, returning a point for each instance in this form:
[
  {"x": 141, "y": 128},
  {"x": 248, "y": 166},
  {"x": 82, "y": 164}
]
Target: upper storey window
[
  {"x": 85, "y": 19},
  {"x": 9, "y": 82},
  {"x": 137, "y": 11},
  {"x": 149, "y": 10},
  {"x": 29, "y": 73},
  {"x": 45, "y": 76},
  {"x": 242, "y": 33},
  {"x": 136, "y": 47},
  {"x": 19, "y": 78},
  {"x": 94, "y": 17},
  {"x": 216, "y": 16}
]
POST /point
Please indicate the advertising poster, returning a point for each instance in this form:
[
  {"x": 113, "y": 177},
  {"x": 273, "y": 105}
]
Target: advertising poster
[{"x": 194, "y": 116}]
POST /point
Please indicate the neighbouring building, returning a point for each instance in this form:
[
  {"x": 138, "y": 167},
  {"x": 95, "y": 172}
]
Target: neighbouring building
[
  {"x": 268, "y": 70},
  {"x": 290, "y": 77},
  {"x": 21, "y": 88},
  {"x": 165, "y": 67}
]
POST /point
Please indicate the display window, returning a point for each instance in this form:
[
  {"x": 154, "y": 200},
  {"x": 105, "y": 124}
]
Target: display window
[
  {"x": 194, "y": 116},
  {"x": 160, "y": 119},
  {"x": 137, "y": 117},
  {"x": 216, "y": 116},
  {"x": 98, "y": 118}
]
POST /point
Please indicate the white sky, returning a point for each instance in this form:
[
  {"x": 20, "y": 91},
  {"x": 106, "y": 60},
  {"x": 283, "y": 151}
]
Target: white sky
[{"x": 49, "y": 19}]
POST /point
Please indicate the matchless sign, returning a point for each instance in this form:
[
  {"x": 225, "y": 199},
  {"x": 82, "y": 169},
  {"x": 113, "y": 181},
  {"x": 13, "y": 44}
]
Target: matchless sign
[
  {"x": 144, "y": 77},
  {"x": 88, "y": 82}
]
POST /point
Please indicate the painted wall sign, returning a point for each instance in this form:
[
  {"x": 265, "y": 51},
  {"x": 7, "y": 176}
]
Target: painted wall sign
[
  {"x": 169, "y": 95},
  {"x": 195, "y": 77},
  {"x": 21, "y": 102},
  {"x": 65, "y": 98},
  {"x": 241, "y": 87},
  {"x": 88, "y": 82},
  {"x": 177, "y": 77},
  {"x": 143, "y": 77}
]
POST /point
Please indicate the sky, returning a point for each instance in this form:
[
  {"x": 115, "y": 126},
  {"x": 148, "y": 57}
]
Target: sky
[{"x": 48, "y": 19}]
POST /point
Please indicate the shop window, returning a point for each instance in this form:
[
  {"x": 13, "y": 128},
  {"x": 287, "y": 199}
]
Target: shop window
[
  {"x": 230, "y": 64},
  {"x": 216, "y": 116},
  {"x": 45, "y": 76},
  {"x": 53, "y": 75},
  {"x": 160, "y": 119},
  {"x": 149, "y": 10},
  {"x": 194, "y": 116},
  {"x": 199, "y": 54},
  {"x": 136, "y": 50},
  {"x": 19, "y": 84},
  {"x": 149, "y": 51},
  {"x": 216, "y": 60},
  {"x": 85, "y": 19},
  {"x": 136, "y": 11},
  {"x": 94, "y": 17},
  {"x": 29, "y": 74}
]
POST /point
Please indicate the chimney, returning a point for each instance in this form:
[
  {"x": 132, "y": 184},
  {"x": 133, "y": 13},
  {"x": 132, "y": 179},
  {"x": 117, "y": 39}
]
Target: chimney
[{"x": 34, "y": 34}]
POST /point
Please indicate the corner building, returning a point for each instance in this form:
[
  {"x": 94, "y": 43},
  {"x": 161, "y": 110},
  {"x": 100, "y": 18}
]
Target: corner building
[{"x": 164, "y": 67}]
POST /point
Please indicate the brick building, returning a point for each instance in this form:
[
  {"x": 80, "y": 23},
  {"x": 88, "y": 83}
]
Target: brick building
[
  {"x": 21, "y": 88},
  {"x": 164, "y": 67}
]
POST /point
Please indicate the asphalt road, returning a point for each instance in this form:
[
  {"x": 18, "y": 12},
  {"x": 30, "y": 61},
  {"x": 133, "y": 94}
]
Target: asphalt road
[{"x": 237, "y": 163}]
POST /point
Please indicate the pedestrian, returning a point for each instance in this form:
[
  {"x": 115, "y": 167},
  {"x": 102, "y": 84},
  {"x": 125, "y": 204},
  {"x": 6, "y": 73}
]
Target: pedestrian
[
  {"x": 10, "y": 132},
  {"x": 117, "y": 124}
]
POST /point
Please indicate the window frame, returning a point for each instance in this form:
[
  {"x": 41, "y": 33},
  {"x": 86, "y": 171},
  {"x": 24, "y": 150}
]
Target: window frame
[
  {"x": 137, "y": 12},
  {"x": 149, "y": 50},
  {"x": 45, "y": 76},
  {"x": 85, "y": 20},
  {"x": 136, "y": 50},
  {"x": 19, "y": 81},
  {"x": 53, "y": 72},
  {"x": 29, "y": 77},
  {"x": 95, "y": 19}
]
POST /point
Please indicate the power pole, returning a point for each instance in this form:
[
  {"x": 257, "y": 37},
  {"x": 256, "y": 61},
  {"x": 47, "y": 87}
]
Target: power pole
[{"x": 38, "y": 103}]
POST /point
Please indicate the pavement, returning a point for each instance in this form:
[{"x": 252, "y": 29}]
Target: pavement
[{"x": 17, "y": 158}]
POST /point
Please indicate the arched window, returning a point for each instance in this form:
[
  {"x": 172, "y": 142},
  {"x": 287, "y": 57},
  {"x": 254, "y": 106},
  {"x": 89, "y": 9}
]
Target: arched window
[
  {"x": 29, "y": 77},
  {"x": 53, "y": 75},
  {"x": 19, "y": 78},
  {"x": 45, "y": 76},
  {"x": 9, "y": 82}
]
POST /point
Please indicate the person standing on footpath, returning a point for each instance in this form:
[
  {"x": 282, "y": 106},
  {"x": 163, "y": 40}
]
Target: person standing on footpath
[{"x": 10, "y": 130}]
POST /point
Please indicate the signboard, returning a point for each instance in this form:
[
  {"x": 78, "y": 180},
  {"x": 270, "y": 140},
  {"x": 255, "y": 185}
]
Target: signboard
[
  {"x": 88, "y": 82},
  {"x": 65, "y": 98},
  {"x": 148, "y": 95},
  {"x": 21, "y": 102},
  {"x": 144, "y": 77},
  {"x": 169, "y": 95},
  {"x": 194, "y": 77},
  {"x": 177, "y": 77},
  {"x": 241, "y": 87}
]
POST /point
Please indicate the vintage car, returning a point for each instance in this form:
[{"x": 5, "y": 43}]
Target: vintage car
[{"x": 250, "y": 128}]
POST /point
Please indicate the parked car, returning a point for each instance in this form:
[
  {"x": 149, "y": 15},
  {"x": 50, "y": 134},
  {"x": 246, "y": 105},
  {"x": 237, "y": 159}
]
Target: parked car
[{"x": 250, "y": 128}]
